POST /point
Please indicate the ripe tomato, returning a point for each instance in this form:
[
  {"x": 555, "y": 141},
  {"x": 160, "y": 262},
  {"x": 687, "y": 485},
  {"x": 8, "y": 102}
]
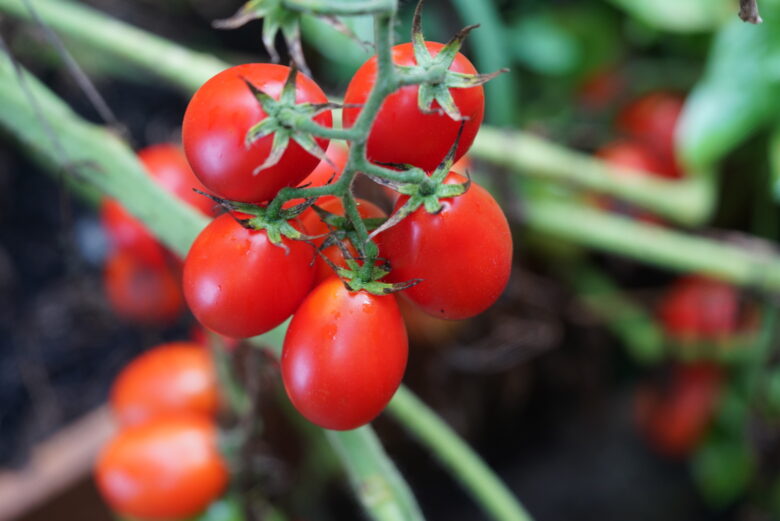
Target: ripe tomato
[
  {"x": 216, "y": 123},
  {"x": 635, "y": 155},
  {"x": 320, "y": 176},
  {"x": 168, "y": 468},
  {"x": 700, "y": 309},
  {"x": 344, "y": 355},
  {"x": 653, "y": 120},
  {"x": 141, "y": 292},
  {"x": 169, "y": 378},
  {"x": 237, "y": 283},
  {"x": 675, "y": 418},
  {"x": 403, "y": 134},
  {"x": 315, "y": 226},
  {"x": 167, "y": 165},
  {"x": 463, "y": 254}
]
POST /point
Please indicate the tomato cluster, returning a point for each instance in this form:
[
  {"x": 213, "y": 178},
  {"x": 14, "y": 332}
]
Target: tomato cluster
[
  {"x": 249, "y": 270},
  {"x": 164, "y": 462}
]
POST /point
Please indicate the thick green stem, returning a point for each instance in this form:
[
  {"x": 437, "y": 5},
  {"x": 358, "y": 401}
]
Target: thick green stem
[{"x": 476, "y": 477}]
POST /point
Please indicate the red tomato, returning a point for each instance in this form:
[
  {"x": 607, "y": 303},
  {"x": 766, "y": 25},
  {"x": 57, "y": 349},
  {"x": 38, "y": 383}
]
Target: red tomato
[
  {"x": 403, "y": 134},
  {"x": 315, "y": 226},
  {"x": 653, "y": 120},
  {"x": 463, "y": 254},
  {"x": 635, "y": 155},
  {"x": 675, "y": 418},
  {"x": 601, "y": 89},
  {"x": 171, "y": 378},
  {"x": 424, "y": 329},
  {"x": 700, "y": 309},
  {"x": 167, "y": 165},
  {"x": 344, "y": 355},
  {"x": 141, "y": 292},
  {"x": 237, "y": 283},
  {"x": 168, "y": 468},
  {"x": 216, "y": 123},
  {"x": 324, "y": 173}
]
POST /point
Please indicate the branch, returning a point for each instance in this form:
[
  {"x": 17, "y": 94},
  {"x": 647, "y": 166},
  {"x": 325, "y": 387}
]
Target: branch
[{"x": 748, "y": 11}]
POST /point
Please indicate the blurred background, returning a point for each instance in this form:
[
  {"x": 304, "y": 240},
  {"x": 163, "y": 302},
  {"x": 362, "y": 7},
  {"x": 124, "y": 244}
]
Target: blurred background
[{"x": 613, "y": 380}]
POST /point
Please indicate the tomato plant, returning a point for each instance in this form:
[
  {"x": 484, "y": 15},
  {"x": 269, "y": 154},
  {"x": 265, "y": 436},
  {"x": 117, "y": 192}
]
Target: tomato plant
[
  {"x": 239, "y": 284},
  {"x": 142, "y": 292},
  {"x": 400, "y": 127},
  {"x": 168, "y": 468},
  {"x": 463, "y": 253},
  {"x": 344, "y": 355},
  {"x": 697, "y": 308},
  {"x": 167, "y": 379},
  {"x": 215, "y": 128}
]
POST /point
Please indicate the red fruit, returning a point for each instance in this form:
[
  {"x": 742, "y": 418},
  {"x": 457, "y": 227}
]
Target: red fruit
[
  {"x": 325, "y": 173},
  {"x": 700, "y": 309},
  {"x": 637, "y": 156},
  {"x": 652, "y": 119}
]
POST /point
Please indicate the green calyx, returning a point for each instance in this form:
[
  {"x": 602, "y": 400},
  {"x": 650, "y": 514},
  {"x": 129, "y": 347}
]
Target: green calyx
[{"x": 435, "y": 69}]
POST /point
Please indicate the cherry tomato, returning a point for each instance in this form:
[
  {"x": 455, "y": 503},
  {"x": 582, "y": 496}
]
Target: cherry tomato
[
  {"x": 141, "y": 292},
  {"x": 637, "y": 156},
  {"x": 424, "y": 329},
  {"x": 168, "y": 468},
  {"x": 237, "y": 283},
  {"x": 167, "y": 165},
  {"x": 653, "y": 120},
  {"x": 216, "y": 123},
  {"x": 675, "y": 418},
  {"x": 344, "y": 355},
  {"x": 463, "y": 254},
  {"x": 402, "y": 133},
  {"x": 315, "y": 226},
  {"x": 700, "y": 309},
  {"x": 170, "y": 378},
  {"x": 325, "y": 173},
  {"x": 601, "y": 89}
]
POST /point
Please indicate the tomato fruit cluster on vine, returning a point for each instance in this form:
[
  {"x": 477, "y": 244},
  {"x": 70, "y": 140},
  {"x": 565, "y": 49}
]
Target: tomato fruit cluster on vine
[{"x": 310, "y": 257}]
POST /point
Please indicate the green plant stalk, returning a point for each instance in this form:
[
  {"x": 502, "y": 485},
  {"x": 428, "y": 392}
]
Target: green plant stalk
[
  {"x": 340, "y": 7},
  {"x": 687, "y": 202},
  {"x": 473, "y": 474}
]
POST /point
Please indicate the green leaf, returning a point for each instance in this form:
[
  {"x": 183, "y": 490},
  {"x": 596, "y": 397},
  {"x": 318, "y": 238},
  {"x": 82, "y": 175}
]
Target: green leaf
[
  {"x": 544, "y": 46},
  {"x": 722, "y": 469},
  {"x": 774, "y": 163},
  {"x": 224, "y": 509},
  {"x": 683, "y": 16},
  {"x": 739, "y": 93}
]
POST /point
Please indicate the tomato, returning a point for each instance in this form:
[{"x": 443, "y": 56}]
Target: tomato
[
  {"x": 653, "y": 120},
  {"x": 217, "y": 120},
  {"x": 601, "y": 89},
  {"x": 325, "y": 173},
  {"x": 203, "y": 337},
  {"x": 168, "y": 468},
  {"x": 315, "y": 226},
  {"x": 169, "y": 378},
  {"x": 424, "y": 329},
  {"x": 237, "y": 283},
  {"x": 402, "y": 133},
  {"x": 675, "y": 418},
  {"x": 344, "y": 355},
  {"x": 463, "y": 254},
  {"x": 167, "y": 165},
  {"x": 141, "y": 292},
  {"x": 700, "y": 309},
  {"x": 637, "y": 156}
]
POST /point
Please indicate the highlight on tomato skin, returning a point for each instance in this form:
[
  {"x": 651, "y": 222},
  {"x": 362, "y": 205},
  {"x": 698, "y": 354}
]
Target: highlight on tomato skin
[
  {"x": 166, "y": 469},
  {"x": 216, "y": 123},
  {"x": 463, "y": 254},
  {"x": 400, "y": 127},
  {"x": 178, "y": 377},
  {"x": 239, "y": 284},
  {"x": 142, "y": 292},
  {"x": 344, "y": 355}
]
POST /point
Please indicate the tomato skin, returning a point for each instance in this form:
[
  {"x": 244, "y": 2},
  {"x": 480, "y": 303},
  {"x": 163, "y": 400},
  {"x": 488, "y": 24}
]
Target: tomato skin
[
  {"x": 463, "y": 253},
  {"x": 344, "y": 355},
  {"x": 238, "y": 284},
  {"x": 315, "y": 226},
  {"x": 142, "y": 292},
  {"x": 325, "y": 173},
  {"x": 400, "y": 128},
  {"x": 165, "y": 469},
  {"x": 638, "y": 156},
  {"x": 653, "y": 119},
  {"x": 217, "y": 120},
  {"x": 700, "y": 309},
  {"x": 170, "y": 378},
  {"x": 675, "y": 418},
  {"x": 127, "y": 233}
]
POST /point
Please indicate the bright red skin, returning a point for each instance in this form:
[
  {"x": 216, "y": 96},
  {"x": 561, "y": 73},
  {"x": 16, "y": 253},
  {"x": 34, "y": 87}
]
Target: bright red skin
[
  {"x": 167, "y": 165},
  {"x": 403, "y": 134},
  {"x": 315, "y": 226},
  {"x": 141, "y": 292},
  {"x": 463, "y": 254},
  {"x": 168, "y": 379},
  {"x": 168, "y": 468},
  {"x": 238, "y": 284},
  {"x": 217, "y": 120},
  {"x": 700, "y": 309},
  {"x": 324, "y": 173},
  {"x": 344, "y": 355},
  {"x": 653, "y": 120},
  {"x": 674, "y": 419}
]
